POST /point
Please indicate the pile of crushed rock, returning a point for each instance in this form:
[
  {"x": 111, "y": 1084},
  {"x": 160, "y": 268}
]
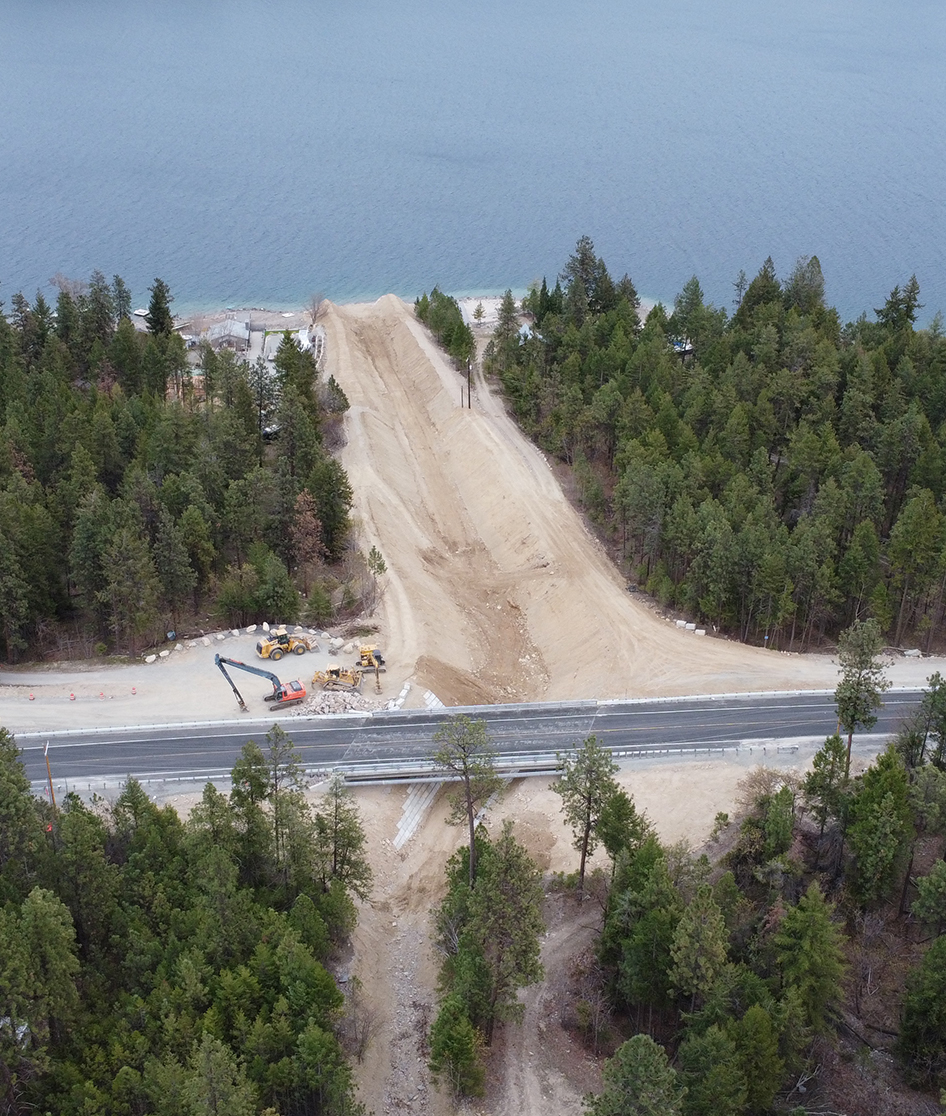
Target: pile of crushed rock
[{"x": 335, "y": 701}]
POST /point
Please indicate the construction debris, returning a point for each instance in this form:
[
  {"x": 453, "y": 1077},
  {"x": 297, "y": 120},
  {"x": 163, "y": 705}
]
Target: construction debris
[{"x": 336, "y": 701}]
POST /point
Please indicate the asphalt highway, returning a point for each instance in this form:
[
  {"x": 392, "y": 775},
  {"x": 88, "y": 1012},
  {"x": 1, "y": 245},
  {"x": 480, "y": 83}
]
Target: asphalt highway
[{"x": 400, "y": 740}]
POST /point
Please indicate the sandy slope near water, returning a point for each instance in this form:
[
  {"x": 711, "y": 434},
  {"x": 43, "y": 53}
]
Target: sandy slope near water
[{"x": 496, "y": 592}]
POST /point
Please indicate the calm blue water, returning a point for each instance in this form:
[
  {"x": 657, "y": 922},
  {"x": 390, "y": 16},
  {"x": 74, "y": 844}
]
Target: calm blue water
[{"x": 252, "y": 152}]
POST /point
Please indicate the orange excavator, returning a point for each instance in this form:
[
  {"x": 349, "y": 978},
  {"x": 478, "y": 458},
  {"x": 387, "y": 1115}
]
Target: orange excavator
[{"x": 284, "y": 693}]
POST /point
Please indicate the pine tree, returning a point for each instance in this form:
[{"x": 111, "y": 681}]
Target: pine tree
[
  {"x": 217, "y": 1085},
  {"x": 638, "y": 1081},
  {"x": 305, "y": 532},
  {"x": 121, "y": 298},
  {"x": 506, "y": 926},
  {"x": 331, "y": 489},
  {"x": 455, "y": 1050},
  {"x": 700, "y": 944},
  {"x": 823, "y": 787},
  {"x": 464, "y": 752},
  {"x": 756, "y": 1042},
  {"x": 131, "y": 587},
  {"x": 20, "y": 829},
  {"x": 340, "y": 841},
  {"x": 586, "y": 785},
  {"x": 620, "y": 826},
  {"x": 172, "y": 563},
  {"x": 711, "y": 1071},
  {"x": 810, "y": 956},
  {"x": 159, "y": 318},
  {"x": 922, "y": 1041},
  {"x": 880, "y": 826},
  {"x": 863, "y": 682},
  {"x": 930, "y": 904}
]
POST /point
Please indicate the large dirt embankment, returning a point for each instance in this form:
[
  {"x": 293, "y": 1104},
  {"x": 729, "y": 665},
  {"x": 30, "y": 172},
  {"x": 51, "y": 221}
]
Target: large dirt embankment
[{"x": 496, "y": 592}]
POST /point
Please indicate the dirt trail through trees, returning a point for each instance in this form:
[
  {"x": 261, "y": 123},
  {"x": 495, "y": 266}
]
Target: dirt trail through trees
[{"x": 496, "y": 592}]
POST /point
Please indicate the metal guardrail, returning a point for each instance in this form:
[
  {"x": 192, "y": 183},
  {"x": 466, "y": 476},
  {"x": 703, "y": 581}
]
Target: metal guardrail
[{"x": 365, "y": 773}]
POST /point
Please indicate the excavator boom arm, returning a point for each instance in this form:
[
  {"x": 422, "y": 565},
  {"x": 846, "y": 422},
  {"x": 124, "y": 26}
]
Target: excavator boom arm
[
  {"x": 220, "y": 660},
  {"x": 282, "y": 694}
]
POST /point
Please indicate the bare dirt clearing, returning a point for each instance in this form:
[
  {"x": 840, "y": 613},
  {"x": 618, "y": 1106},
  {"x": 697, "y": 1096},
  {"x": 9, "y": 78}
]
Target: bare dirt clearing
[{"x": 496, "y": 592}]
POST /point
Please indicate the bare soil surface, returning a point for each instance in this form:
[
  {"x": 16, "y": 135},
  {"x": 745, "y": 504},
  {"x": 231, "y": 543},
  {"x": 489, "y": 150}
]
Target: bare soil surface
[{"x": 496, "y": 592}]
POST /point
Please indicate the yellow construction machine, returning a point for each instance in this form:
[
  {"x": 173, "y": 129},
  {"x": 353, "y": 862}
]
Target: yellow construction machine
[
  {"x": 370, "y": 658},
  {"x": 335, "y": 677},
  {"x": 279, "y": 642}
]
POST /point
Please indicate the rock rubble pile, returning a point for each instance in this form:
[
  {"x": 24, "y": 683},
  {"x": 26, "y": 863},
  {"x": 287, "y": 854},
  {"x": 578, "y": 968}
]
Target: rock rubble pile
[{"x": 335, "y": 701}]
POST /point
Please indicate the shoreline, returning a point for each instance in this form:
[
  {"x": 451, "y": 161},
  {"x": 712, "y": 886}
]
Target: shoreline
[{"x": 270, "y": 316}]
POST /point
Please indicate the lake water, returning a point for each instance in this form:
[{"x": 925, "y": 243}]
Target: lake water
[{"x": 252, "y": 152}]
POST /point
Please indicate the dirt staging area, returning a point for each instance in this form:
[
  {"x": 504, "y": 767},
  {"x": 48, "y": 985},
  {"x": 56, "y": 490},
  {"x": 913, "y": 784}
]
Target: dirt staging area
[{"x": 496, "y": 592}]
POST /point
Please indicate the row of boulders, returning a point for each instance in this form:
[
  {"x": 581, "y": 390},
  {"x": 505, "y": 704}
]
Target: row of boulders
[{"x": 335, "y": 644}]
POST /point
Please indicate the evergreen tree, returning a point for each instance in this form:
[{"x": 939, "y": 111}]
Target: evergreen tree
[
  {"x": 20, "y": 828},
  {"x": 922, "y": 1041},
  {"x": 172, "y": 563},
  {"x": 699, "y": 948},
  {"x": 306, "y": 537},
  {"x": 930, "y": 904},
  {"x": 464, "y": 752},
  {"x": 217, "y": 1085},
  {"x": 159, "y": 318},
  {"x": 328, "y": 483},
  {"x": 455, "y": 1050},
  {"x": 620, "y": 827},
  {"x": 880, "y": 826},
  {"x": 824, "y": 785},
  {"x": 810, "y": 955},
  {"x": 863, "y": 682},
  {"x": 121, "y": 298},
  {"x": 132, "y": 586},
  {"x": 586, "y": 785},
  {"x": 506, "y": 927},
  {"x": 711, "y": 1071},
  {"x": 340, "y": 841},
  {"x": 638, "y": 1081},
  {"x": 756, "y": 1040}
]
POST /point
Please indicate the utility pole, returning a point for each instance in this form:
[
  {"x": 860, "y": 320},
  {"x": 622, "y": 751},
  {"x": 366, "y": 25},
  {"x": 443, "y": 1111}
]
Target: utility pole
[{"x": 469, "y": 383}]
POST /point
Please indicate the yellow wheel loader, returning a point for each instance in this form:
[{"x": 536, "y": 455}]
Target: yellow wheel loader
[{"x": 279, "y": 642}]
